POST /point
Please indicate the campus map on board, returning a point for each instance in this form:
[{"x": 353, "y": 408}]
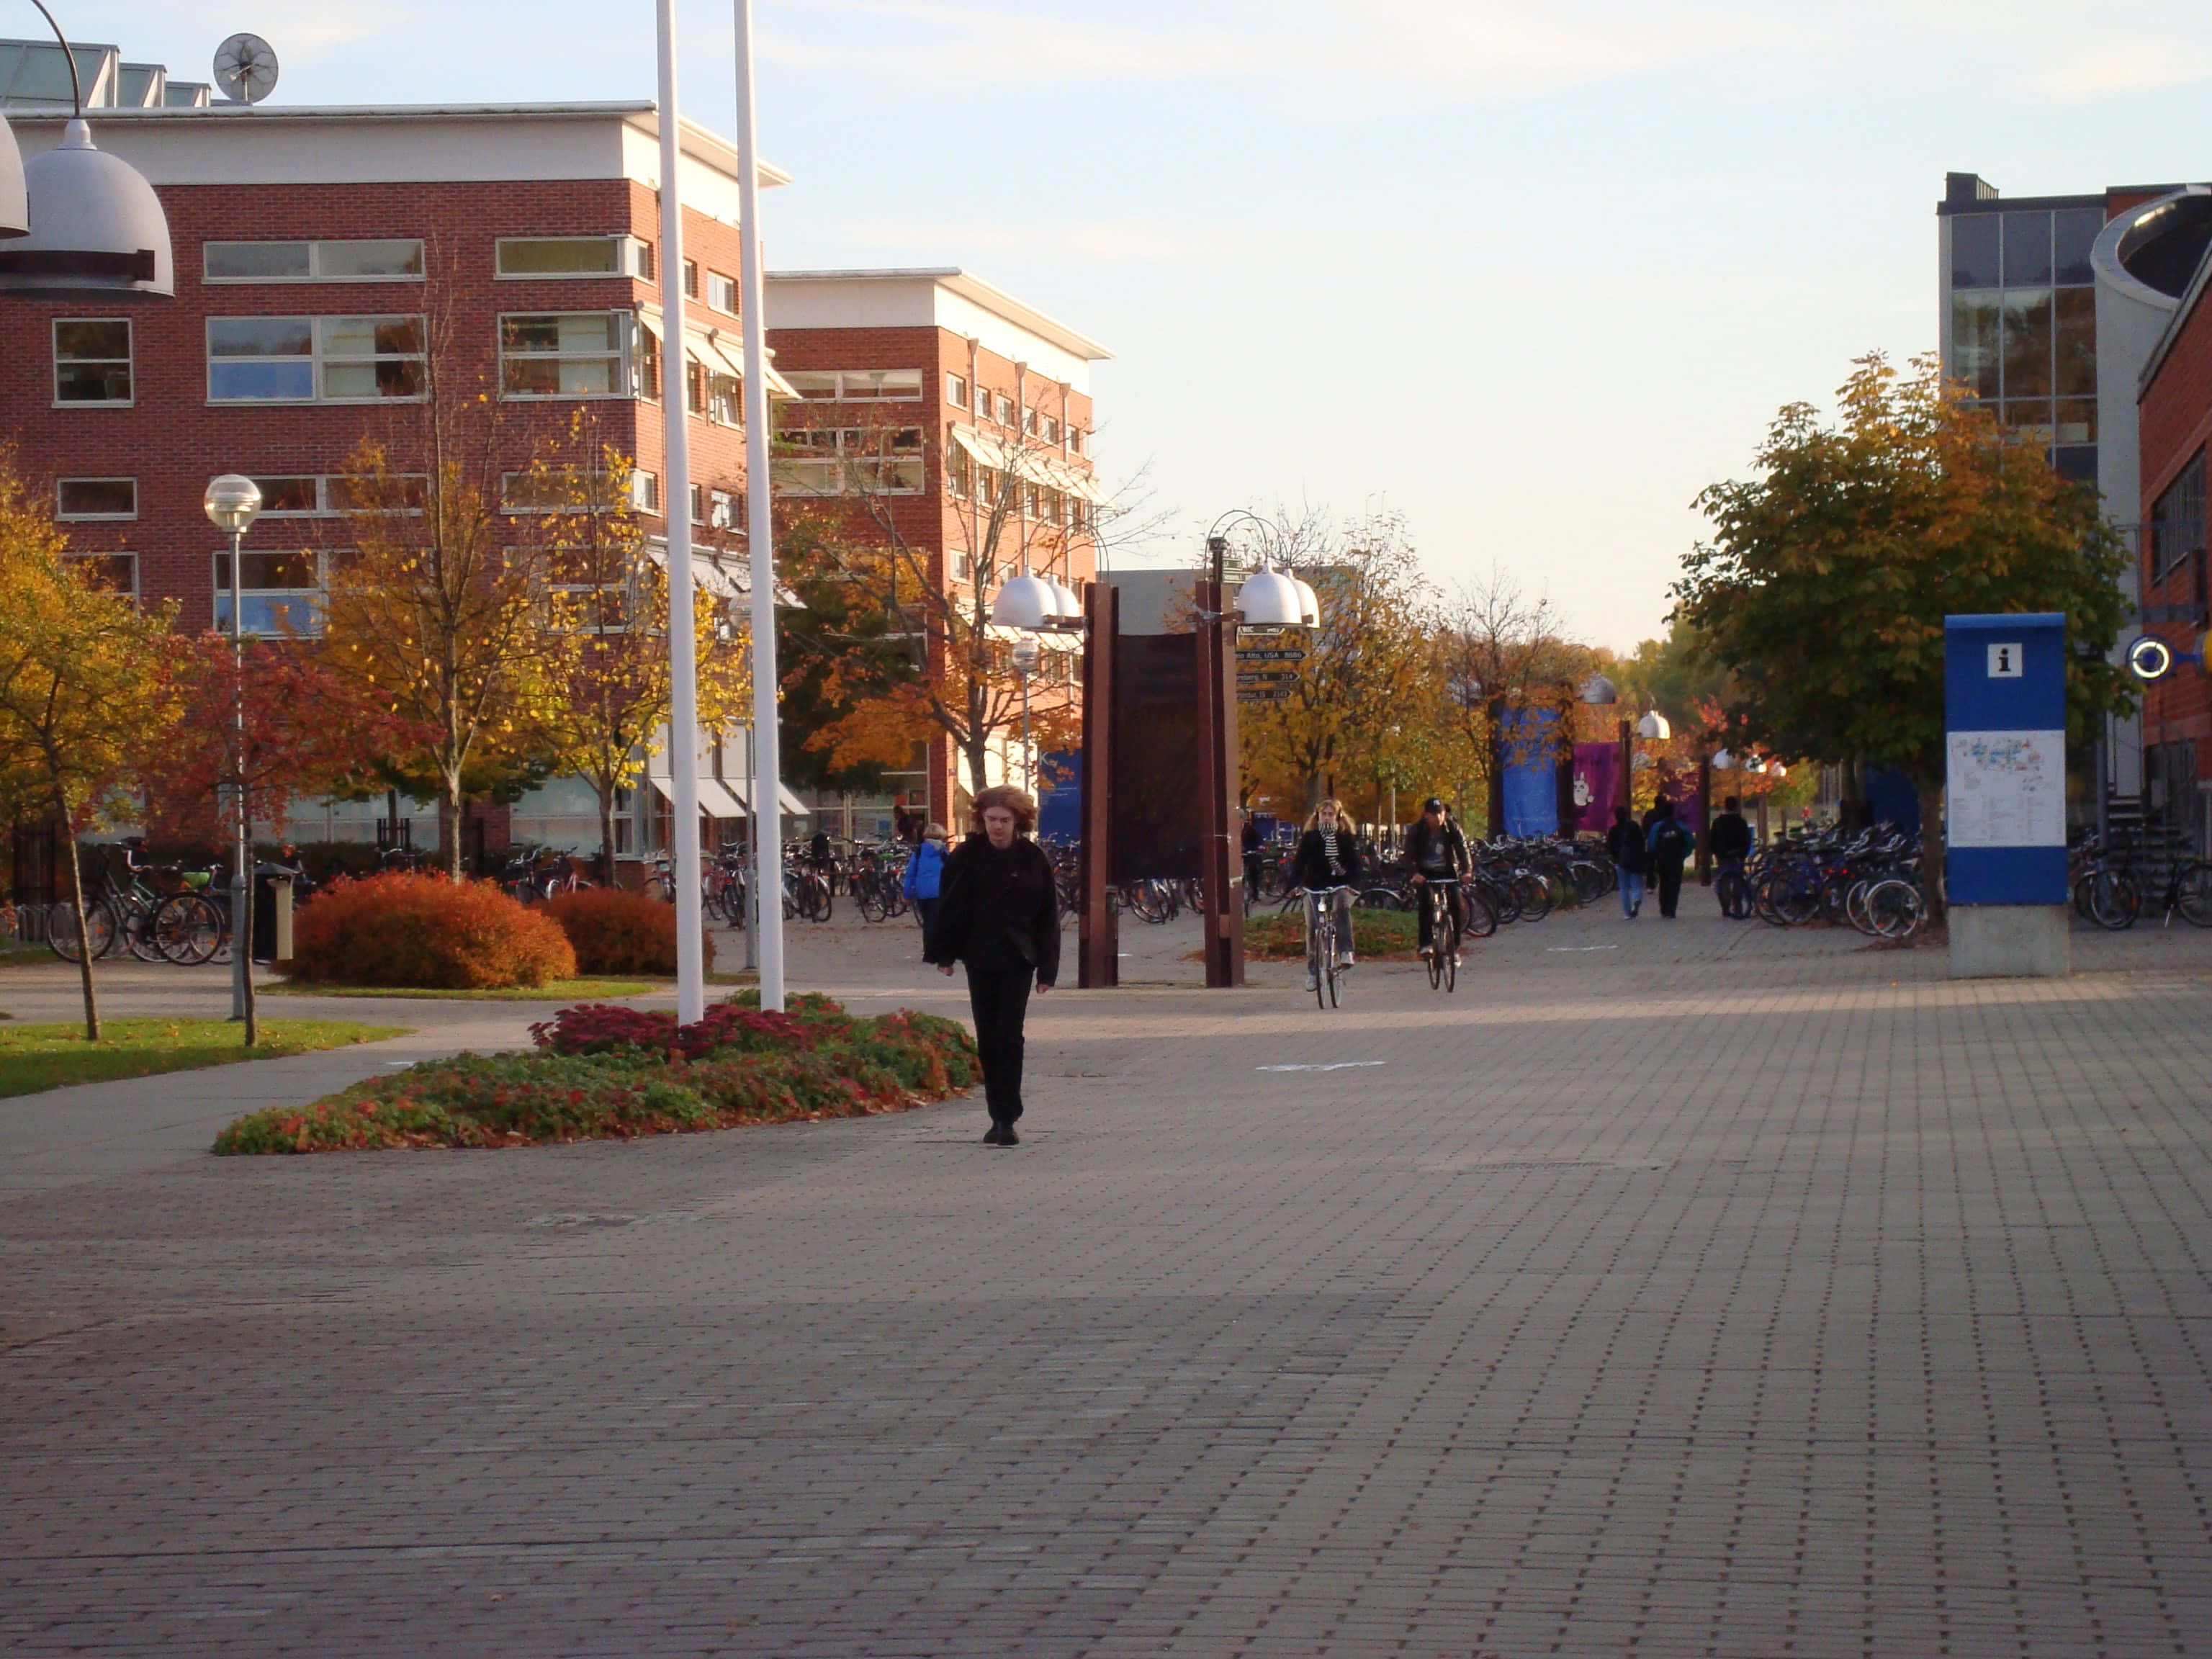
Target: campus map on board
[{"x": 2007, "y": 789}]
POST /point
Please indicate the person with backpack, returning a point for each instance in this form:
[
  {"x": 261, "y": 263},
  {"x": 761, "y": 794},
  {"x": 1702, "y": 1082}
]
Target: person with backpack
[
  {"x": 1670, "y": 840},
  {"x": 1625, "y": 845}
]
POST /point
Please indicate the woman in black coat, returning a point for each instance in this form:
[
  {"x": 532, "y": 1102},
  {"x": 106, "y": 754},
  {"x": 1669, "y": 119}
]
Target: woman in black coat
[
  {"x": 997, "y": 913},
  {"x": 1328, "y": 858}
]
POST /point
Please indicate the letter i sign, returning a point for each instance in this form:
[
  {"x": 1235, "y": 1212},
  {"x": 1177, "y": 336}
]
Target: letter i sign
[{"x": 2004, "y": 662}]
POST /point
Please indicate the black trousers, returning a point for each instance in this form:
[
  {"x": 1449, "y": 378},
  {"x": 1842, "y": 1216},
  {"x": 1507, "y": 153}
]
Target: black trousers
[
  {"x": 999, "y": 1000},
  {"x": 1670, "y": 879}
]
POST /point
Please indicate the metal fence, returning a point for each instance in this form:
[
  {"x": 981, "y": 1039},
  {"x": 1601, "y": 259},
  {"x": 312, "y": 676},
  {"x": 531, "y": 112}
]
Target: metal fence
[{"x": 25, "y": 924}]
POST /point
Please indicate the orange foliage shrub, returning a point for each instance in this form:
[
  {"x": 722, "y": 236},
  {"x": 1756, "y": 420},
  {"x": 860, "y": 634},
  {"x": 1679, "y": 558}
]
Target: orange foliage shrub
[
  {"x": 615, "y": 931},
  {"x": 422, "y": 932}
]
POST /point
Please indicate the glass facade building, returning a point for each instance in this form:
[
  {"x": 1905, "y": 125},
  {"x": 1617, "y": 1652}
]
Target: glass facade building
[{"x": 2020, "y": 313}]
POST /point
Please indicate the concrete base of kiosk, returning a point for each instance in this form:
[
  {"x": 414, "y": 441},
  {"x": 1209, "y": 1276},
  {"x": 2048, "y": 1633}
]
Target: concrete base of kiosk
[{"x": 2011, "y": 941}]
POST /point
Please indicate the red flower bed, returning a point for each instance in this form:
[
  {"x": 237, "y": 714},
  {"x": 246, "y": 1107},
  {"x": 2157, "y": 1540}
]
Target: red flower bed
[{"x": 425, "y": 933}]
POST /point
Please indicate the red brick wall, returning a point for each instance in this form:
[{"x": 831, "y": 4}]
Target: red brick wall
[
  {"x": 2176, "y": 421},
  {"x": 172, "y": 441}
]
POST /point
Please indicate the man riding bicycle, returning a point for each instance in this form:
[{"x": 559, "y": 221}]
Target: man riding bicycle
[{"x": 1438, "y": 851}]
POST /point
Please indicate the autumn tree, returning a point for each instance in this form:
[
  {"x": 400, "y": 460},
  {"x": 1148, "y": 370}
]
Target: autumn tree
[
  {"x": 1364, "y": 670},
  {"x": 438, "y": 607},
  {"x": 606, "y": 680},
  {"x": 893, "y": 648},
  {"x": 83, "y": 691},
  {"x": 1505, "y": 664},
  {"x": 1824, "y": 585}
]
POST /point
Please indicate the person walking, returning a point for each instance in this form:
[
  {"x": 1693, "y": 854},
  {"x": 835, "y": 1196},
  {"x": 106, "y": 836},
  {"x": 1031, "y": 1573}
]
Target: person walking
[
  {"x": 1251, "y": 847},
  {"x": 1731, "y": 835},
  {"x": 1670, "y": 842},
  {"x": 924, "y": 879},
  {"x": 1328, "y": 857},
  {"x": 1625, "y": 845},
  {"x": 998, "y": 914}
]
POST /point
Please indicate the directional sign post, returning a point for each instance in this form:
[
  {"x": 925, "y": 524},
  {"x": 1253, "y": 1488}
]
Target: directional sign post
[{"x": 2005, "y": 718}]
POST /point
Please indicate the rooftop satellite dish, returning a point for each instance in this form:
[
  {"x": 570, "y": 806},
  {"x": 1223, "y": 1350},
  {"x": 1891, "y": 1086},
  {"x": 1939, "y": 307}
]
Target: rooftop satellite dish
[{"x": 245, "y": 69}]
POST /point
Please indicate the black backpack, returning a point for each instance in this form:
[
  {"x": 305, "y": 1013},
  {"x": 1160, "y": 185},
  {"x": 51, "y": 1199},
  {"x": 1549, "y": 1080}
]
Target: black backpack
[{"x": 1673, "y": 842}]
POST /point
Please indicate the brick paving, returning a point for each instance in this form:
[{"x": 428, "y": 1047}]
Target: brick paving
[{"x": 1695, "y": 1290}]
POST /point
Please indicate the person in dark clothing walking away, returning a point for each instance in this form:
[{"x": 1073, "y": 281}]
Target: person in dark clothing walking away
[
  {"x": 1670, "y": 842},
  {"x": 1731, "y": 835},
  {"x": 1625, "y": 845},
  {"x": 997, "y": 913}
]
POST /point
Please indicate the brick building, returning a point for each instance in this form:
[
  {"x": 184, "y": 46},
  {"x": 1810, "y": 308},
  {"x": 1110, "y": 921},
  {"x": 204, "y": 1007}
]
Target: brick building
[
  {"x": 2175, "y": 414},
  {"x": 959, "y": 421},
  {"x": 323, "y": 256}
]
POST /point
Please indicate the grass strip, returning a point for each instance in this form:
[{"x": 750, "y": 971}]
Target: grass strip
[
  {"x": 558, "y": 990},
  {"x": 34, "y": 1058}
]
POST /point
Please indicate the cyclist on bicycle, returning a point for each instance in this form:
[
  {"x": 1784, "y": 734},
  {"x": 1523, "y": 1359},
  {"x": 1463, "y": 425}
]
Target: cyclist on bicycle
[
  {"x": 1438, "y": 851},
  {"x": 1327, "y": 859}
]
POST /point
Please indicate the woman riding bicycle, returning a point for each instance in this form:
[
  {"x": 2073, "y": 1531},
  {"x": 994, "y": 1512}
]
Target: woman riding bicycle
[{"x": 1326, "y": 860}]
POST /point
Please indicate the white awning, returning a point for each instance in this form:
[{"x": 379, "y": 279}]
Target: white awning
[
  {"x": 721, "y": 350},
  {"x": 728, "y": 575},
  {"x": 1025, "y": 461},
  {"x": 1047, "y": 638},
  {"x": 716, "y": 799},
  {"x": 741, "y": 790}
]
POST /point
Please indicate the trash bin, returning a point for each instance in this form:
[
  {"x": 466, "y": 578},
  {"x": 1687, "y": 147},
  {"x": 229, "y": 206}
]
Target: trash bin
[{"x": 272, "y": 912}]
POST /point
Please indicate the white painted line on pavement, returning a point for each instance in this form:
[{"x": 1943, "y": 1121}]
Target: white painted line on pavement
[
  {"x": 1333, "y": 1065},
  {"x": 1556, "y": 949}
]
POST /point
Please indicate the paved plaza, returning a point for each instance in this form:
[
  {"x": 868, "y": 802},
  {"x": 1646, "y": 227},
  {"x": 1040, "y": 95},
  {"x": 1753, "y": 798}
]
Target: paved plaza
[{"x": 1691, "y": 1289}]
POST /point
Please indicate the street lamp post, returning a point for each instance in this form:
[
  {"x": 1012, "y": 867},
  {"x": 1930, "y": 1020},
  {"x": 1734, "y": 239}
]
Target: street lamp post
[
  {"x": 232, "y": 503},
  {"x": 1025, "y": 663}
]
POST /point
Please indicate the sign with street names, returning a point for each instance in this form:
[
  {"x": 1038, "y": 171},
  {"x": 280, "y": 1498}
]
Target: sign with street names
[{"x": 2007, "y": 788}]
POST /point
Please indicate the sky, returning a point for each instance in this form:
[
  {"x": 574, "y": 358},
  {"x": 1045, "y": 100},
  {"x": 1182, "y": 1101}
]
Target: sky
[{"x": 1531, "y": 274}]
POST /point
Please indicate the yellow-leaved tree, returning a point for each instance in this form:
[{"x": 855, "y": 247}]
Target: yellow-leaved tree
[{"x": 83, "y": 691}]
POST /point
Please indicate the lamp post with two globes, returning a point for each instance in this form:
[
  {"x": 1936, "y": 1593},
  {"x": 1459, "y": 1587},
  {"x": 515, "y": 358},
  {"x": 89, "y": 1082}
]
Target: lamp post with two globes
[{"x": 233, "y": 503}]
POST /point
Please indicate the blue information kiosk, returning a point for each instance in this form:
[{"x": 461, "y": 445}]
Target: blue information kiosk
[{"x": 2004, "y": 798}]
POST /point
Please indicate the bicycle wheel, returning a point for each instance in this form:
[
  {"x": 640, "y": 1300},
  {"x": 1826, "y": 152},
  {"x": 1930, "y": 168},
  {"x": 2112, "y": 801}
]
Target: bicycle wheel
[
  {"x": 2114, "y": 900},
  {"x": 1451, "y": 964},
  {"x": 1534, "y": 894},
  {"x": 1895, "y": 908},
  {"x": 65, "y": 942},
  {"x": 2192, "y": 893},
  {"x": 1329, "y": 974},
  {"x": 1321, "y": 951},
  {"x": 188, "y": 929},
  {"x": 871, "y": 905},
  {"x": 1480, "y": 919},
  {"x": 138, "y": 932},
  {"x": 1436, "y": 960}
]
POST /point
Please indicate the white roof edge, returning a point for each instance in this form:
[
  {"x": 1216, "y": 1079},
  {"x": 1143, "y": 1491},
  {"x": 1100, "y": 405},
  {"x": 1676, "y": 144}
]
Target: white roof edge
[
  {"x": 970, "y": 286},
  {"x": 701, "y": 142}
]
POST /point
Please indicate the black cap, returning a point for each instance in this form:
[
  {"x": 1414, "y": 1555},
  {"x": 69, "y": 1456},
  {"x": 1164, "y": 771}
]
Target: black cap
[{"x": 1432, "y": 805}]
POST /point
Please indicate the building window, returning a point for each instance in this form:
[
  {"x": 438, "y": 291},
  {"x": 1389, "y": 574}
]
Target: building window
[
  {"x": 281, "y": 593},
  {"x": 955, "y": 391},
  {"x": 1005, "y": 410},
  {"x": 982, "y": 405},
  {"x": 725, "y": 510},
  {"x": 649, "y": 364},
  {"x": 393, "y": 260},
  {"x": 839, "y": 460},
  {"x": 570, "y": 354},
  {"x": 726, "y": 398},
  {"x": 645, "y": 491},
  {"x": 722, "y": 292},
  {"x": 538, "y": 257},
  {"x": 313, "y": 359},
  {"x": 92, "y": 360},
  {"x": 556, "y": 489},
  {"x": 2177, "y": 520},
  {"x": 857, "y": 384},
  {"x": 96, "y": 498},
  {"x": 1048, "y": 429},
  {"x": 691, "y": 279},
  {"x": 315, "y": 496},
  {"x": 1075, "y": 440},
  {"x": 1028, "y": 422},
  {"x": 118, "y": 573},
  {"x": 695, "y": 386}
]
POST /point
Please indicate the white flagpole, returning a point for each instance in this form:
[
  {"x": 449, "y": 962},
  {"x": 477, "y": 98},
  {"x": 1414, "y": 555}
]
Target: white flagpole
[
  {"x": 768, "y": 759},
  {"x": 676, "y": 512}
]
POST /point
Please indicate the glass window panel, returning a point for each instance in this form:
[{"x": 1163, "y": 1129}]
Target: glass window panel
[
  {"x": 561, "y": 256},
  {"x": 587, "y": 377},
  {"x": 2077, "y": 421},
  {"x": 97, "y": 498},
  {"x": 254, "y": 261},
  {"x": 116, "y": 572},
  {"x": 92, "y": 341},
  {"x": 92, "y": 383},
  {"x": 2077, "y": 342},
  {"x": 273, "y": 615},
  {"x": 587, "y": 331},
  {"x": 2073, "y": 232},
  {"x": 2075, "y": 463},
  {"x": 1976, "y": 345},
  {"x": 240, "y": 382},
  {"x": 1974, "y": 250},
  {"x": 260, "y": 336},
  {"x": 398, "y": 258},
  {"x": 390, "y": 377},
  {"x": 2027, "y": 343},
  {"x": 2026, "y": 249},
  {"x": 290, "y": 497},
  {"x": 811, "y": 383},
  {"x": 2028, "y": 418},
  {"x": 261, "y": 571},
  {"x": 363, "y": 337},
  {"x": 531, "y": 377}
]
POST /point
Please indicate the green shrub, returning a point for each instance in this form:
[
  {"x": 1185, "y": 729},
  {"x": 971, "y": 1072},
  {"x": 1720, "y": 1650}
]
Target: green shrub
[
  {"x": 836, "y": 1066},
  {"x": 424, "y": 932},
  {"x": 615, "y": 931},
  {"x": 1382, "y": 934}
]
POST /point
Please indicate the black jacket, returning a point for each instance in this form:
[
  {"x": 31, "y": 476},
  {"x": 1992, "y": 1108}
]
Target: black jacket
[
  {"x": 1453, "y": 844},
  {"x": 1730, "y": 837},
  {"x": 1311, "y": 868},
  {"x": 1027, "y": 901},
  {"x": 1624, "y": 845}
]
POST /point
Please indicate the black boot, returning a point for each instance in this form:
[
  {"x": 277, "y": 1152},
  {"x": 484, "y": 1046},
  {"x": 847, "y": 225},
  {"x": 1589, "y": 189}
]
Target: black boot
[
  {"x": 991, "y": 1136},
  {"x": 1007, "y": 1137}
]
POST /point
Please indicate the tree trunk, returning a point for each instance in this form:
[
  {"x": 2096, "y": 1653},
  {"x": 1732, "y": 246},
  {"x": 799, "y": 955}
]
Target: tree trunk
[
  {"x": 1494, "y": 739},
  {"x": 606, "y": 837},
  {"x": 83, "y": 931},
  {"x": 456, "y": 821},
  {"x": 1931, "y": 845}
]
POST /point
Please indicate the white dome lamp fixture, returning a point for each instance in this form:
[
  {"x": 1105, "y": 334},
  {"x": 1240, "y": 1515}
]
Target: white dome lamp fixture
[
  {"x": 92, "y": 225},
  {"x": 15, "y": 199},
  {"x": 1270, "y": 600},
  {"x": 1600, "y": 691},
  {"x": 1722, "y": 761},
  {"x": 1070, "y": 607},
  {"x": 1653, "y": 728},
  {"x": 1025, "y": 602},
  {"x": 1309, "y": 602}
]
